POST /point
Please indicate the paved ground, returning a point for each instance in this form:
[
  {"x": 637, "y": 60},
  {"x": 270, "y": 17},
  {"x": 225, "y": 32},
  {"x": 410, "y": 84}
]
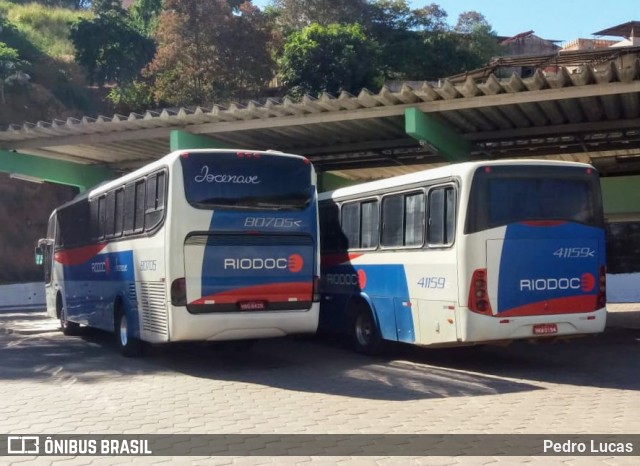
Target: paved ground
[{"x": 53, "y": 384}]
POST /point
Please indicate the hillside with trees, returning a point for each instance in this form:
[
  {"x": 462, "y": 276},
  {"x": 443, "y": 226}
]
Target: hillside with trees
[{"x": 70, "y": 58}]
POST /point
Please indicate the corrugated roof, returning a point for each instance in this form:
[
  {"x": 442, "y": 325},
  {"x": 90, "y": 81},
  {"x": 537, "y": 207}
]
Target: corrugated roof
[{"x": 591, "y": 113}]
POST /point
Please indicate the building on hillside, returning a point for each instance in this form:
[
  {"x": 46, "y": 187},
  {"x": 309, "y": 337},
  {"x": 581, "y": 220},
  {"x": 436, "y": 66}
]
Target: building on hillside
[
  {"x": 527, "y": 43},
  {"x": 630, "y": 33}
]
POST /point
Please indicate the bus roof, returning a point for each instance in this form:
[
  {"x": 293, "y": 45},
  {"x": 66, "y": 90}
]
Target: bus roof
[
  {"x": 169, "y": 159},
  {"x": 447, "y": 171}
]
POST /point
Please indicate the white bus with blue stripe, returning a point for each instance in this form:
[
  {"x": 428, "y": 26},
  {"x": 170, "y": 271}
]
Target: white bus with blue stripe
[
  {"x": 469, "y": 253},
  {"x": 201, "y": 245}
]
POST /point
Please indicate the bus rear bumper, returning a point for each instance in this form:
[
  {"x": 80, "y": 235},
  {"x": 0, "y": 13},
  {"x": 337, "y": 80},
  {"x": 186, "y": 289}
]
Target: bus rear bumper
[
  {"x": 482, "y": 328},
  {"x": 241, "y": 326}
]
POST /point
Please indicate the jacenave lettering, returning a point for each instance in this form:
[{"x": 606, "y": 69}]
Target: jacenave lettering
[{"x": 223, "y": 178}]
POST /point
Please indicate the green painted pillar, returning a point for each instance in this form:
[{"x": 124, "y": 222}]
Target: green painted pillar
[
  {"x": 329, "y": 182},
  {"x": 423, "y": 127},
  {"x": 182, "y": 140},
  {"x": 55, "y": 171}
]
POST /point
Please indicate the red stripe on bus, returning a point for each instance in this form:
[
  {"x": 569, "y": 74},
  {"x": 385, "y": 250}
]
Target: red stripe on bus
[
  {"x": 278, "y": 292},
  {"x": 566, "y": 305},
  {"x": 78, "y": 256}
]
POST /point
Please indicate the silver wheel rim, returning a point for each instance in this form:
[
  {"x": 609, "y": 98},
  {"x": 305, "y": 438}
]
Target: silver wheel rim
[
  {"x": 124, "y": 334},
  {"x": 364, "y": 329},
  {"x": 63, "y": 318}
]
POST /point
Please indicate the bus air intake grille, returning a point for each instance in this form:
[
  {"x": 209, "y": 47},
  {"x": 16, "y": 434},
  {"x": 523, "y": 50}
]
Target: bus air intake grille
[
  {"x": 153, "y": 302},
  {"x": 248, "y": 240}
]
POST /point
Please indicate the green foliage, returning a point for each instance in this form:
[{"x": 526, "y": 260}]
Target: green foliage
[
  {"x": 70, "y": 4},
  {"x": 10, "y": 66},
  {"x": 326, "y": 59},
  {"x": 420, "y": 45},
  {"x": 109, "y": 46},
  {"x": 44, "y": 28},
  {"x": 133, "y": 97},
  {"x": 144, "y": 15},
  {"x": 294, "y": 15}
]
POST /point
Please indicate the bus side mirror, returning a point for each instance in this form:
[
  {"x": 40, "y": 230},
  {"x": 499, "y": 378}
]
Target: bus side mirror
[
  {"x": 39, "y": 255},
  {"x": 40, "y": 249}
]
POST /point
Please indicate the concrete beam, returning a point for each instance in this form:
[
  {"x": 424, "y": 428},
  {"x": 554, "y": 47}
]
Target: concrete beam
[
  {"x": 55, "y": 171},
  {"x": 182, "y": 140},
  {"x": 442, "y": 138}
]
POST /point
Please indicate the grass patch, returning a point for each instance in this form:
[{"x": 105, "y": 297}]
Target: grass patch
[{"x": 46, "y": 28}]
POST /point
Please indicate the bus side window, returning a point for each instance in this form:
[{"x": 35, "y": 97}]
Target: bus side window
[
  {"x": 133, "y": 221},
  {"x": 154, "y": 212},
  {"x": 350, "y": 221},
  {"x": 441, "y": 221},
  {"x": 370, "y": 225},
  {"x": 392, "y": 220},
  {"x": 403, "y": 220}
]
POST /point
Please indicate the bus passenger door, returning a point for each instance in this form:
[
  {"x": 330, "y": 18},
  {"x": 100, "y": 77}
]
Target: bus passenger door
[
  {"x": 405, "y": 325},
  {"x": 44, "y": 257}
]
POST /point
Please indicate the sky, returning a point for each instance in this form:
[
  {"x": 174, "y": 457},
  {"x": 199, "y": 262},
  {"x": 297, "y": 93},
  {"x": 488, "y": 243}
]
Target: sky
[{"x": 559, "y": 20}]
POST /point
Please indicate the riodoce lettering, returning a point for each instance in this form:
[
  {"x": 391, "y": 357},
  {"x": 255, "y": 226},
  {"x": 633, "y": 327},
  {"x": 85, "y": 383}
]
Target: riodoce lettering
[{"x": 205, "y": 176}]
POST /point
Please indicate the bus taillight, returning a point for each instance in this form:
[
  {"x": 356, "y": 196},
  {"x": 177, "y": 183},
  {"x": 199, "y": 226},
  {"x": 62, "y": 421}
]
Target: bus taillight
[
  {"x": 478, "y": 294},
  {"x": 179, "y": 292},
  {"x": 316, "y": 289},
  {"x": 602, "y": 290}
]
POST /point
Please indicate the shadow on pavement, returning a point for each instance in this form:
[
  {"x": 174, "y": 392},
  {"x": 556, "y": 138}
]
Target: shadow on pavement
[
  {"x": 608, "y": 360},
  {"x": 322, "y": 366},
  {"x": 297, "y": 364}
]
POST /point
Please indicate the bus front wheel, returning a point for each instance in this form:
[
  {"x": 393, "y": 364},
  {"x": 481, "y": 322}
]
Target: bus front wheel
[
  {"x": 130, "y": 346},
  {"x": 365, "y": 335},
  {"x": 68, "y": 328}
]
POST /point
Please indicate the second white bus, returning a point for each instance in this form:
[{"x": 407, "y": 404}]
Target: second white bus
[{"x": 468, "y": 253}]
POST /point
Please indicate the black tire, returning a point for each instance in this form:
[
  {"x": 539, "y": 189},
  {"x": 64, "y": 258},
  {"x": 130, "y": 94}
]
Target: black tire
[
  {"x": 365, "y": 335},
  {"x": 67, "y": 327},
  {"x": 129, "y": 346}
]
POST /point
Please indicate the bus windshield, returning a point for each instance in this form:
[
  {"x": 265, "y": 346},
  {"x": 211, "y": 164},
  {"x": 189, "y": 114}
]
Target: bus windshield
[
  {"x": 510, "y": 194},
  {"x": 247, "y": 181}
]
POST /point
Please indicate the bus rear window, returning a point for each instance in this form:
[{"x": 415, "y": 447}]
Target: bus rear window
[
  {"x": 501, "y": 195},
  {"x": 246, "y": 180}
]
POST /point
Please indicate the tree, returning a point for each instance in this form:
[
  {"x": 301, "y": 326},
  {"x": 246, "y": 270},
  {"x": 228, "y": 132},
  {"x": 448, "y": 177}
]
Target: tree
[
  {"x": 9, "y": 67},
  {"x": 144, "y": 14},
  {"x": 108, "y": 46},
  {"x": 419, "y": 44},
  {"x": 329, "y": 58},
  {"x": 72, "y": 4},
  {"x": 210, "y": 50},
  {"x": 298, "y": 14}
]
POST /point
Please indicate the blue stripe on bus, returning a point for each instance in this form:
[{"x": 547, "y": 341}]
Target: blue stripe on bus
[
  {"x": 384, "y": 286},
  {"x": 111, "y": 266},
  {"x": 546, "y": 254},
  {"x": 216, "y": 278}
]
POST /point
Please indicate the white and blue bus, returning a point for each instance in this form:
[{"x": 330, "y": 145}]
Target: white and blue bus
[
  {"x": 475, "y": 252},
  {"x": 200, "y": 245}
]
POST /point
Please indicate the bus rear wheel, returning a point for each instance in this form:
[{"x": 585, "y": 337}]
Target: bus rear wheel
[
  {"x": 365, "y": 335},
  {"x": 129, "y": 346}
]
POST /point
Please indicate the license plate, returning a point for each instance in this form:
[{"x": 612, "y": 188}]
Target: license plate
[
  {"x": 252, "y": 305},
  {"x": 545, "y": 329}
]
